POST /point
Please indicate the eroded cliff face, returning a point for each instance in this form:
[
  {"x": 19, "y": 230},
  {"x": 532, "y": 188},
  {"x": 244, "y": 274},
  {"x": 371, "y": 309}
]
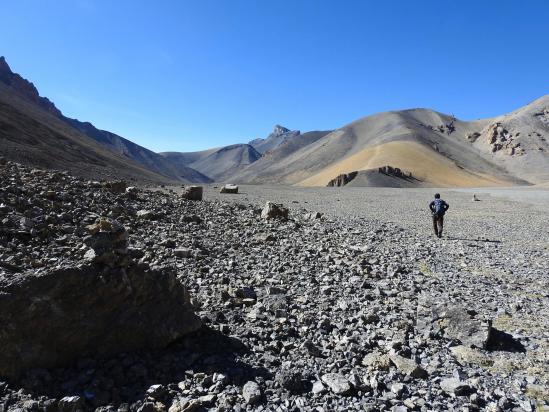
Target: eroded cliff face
[{"x": 342, "y": 179}]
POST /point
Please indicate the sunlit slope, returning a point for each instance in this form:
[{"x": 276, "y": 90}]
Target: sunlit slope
[
  {"x": 431, "y": 145},
  {"x": 425, "y": 163}
]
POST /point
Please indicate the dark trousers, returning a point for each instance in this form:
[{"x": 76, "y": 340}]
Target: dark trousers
[{"x": 438, "y": 224}]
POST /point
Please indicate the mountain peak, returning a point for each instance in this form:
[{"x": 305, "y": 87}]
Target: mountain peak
[
  {"x": 5, "y": 71},
  {"x": 4, "y": 66},
  {"x": 280, "y": 130},
  {"x": 24, "y": 88}
]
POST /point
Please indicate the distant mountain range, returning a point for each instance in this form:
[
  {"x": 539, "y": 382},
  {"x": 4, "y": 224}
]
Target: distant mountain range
[{"x": 407, "y": 148}]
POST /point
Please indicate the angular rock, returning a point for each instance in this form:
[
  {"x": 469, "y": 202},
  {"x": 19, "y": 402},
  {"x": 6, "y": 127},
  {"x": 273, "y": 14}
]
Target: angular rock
[
  {"x": 132, "y": 192},
  {"x": 318, "y": 387},
  {"x": 183, "y": 252},
  {"x": 146, "y": 214},
  {"x": 109, "y": 241},
  {"x": 71, "y": 404},
  {"x": 251, "y": 392},
  {"x": 116, "y": 186},
  {"x": 337, "y": 383},
  {"x": 55, "y": 316},
  {"x": 233, "y": 189},
  {"x": 156, "y": 392},
  {"x": 453, "y": 321},
  {"x": 408, "y": 366},
  {"x": 193, "y": 193},
  {"x": 460, "y": 325},
  {"x": 376, "y": 361},
  {"x": 289, "y": 380},
  {"x": 465, "y": 355},
  {"x": 454, "y": 386},
  {"x": 274, "y": 211}
]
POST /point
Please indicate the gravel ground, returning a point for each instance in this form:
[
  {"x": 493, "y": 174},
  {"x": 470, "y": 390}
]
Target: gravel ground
[
  {"x": 507, "y": 215},
  {"x": 362, "y": 309}
]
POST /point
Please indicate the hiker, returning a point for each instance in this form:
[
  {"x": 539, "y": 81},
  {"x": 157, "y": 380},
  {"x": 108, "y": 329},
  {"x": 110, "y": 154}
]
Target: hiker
[{"x": 438, "y": 209}]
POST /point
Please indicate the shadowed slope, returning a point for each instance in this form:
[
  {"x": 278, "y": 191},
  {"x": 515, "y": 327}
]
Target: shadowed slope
[
  {"x": 37, "y": 137},
  {"x": 27, "y": 117},
  {"x": 227, "y": 161}
]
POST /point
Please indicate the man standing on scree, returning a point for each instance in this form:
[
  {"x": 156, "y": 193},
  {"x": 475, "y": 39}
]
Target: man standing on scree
[{"x": 438, "y": 209}]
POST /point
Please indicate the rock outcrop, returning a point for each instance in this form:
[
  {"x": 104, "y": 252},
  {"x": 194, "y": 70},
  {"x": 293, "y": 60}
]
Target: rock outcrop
[
  {"x": 499, "y": 138},
  {"x": 381, "y": 176},
  {"x": 453, "y": 322},
  {"x": 25, "y": 88},
  {"x": 233, "y": 189},
  {"x": 55, "y": 317},
  {"x": 274, "y": 211},
  {"x": 193, "y": 193},
  {"x": 342, "y": 179}
]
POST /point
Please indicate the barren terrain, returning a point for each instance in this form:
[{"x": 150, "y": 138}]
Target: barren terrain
[{"x": 359, "y": 309}]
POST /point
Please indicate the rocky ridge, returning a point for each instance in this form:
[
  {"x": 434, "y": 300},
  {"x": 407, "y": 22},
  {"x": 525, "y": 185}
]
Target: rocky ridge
[
  {"x": 302, "y": 313},
  {"x": 278, "y": 137}
]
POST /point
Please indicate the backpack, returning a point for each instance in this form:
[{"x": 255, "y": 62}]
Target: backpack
[{"x": 439, "y": 207}]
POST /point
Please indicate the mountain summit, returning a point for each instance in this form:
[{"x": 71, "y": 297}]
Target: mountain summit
[
  {"x": 25, "y": 88},
  {"x": 279, "y": 130},
  {"x": 279, "y": 135}
]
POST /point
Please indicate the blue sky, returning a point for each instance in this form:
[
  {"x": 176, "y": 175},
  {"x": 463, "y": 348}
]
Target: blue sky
[{"x": 188, "y": 75}]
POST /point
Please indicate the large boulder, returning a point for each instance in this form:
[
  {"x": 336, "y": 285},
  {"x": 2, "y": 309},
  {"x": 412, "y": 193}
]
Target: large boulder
[
  {"x": 116, "y": 186},
  {"x": 107, "y": 305},
  {"x": 440, "y": 317},
  {"x": 274, "y": 211},
  {"x": 193, "y": 193},
  {"x": 229, "y": 189},
  {"x": 50, "y": 319}
]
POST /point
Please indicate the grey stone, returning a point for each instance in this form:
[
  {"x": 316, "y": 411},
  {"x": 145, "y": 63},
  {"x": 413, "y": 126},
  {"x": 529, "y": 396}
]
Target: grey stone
[
  {"x": 274, "y": 211},
  {"x": 408, "y": 366},
  {"x": 454, "y": 386},
  {"x": 337, "y": 383},
  {"x": 193, "y": 193},
  {"x": 228, "y": 188},
  {"x": 71, "y": 404},
  {"x": 251, "y": 392},
  {"x": 76, "y": 308}
]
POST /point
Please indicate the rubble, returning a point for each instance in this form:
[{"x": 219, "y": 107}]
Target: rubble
[{"x": 335, "y": 314}]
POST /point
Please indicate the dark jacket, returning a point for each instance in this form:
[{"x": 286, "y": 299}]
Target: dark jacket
[{"x": 438, "y": 207}]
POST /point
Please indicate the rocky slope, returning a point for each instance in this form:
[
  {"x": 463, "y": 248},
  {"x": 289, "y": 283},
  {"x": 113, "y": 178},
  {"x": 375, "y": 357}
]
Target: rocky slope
[
  {"x": 519, "y": 141},
  {"x": 34, "y": 131},
  {"x": 307, "y": 313}
]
